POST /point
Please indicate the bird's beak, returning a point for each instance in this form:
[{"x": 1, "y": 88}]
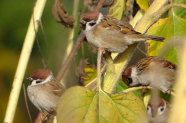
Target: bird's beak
[
  {"x": 83, "y": 24},
  {"x": 30, "y": 79}
]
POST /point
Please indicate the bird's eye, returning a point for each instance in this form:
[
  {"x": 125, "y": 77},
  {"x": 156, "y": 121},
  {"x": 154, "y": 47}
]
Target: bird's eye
[
  {"x": 92, "y": 23},
  {"x": 38, "y": 81},
  {"x": 129, "y": 80},
  {"x": 162, "y": 109},
  {"x": 147, "y": 108}
]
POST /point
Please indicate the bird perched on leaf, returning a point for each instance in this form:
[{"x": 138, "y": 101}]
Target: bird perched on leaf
[
  {"x": 111, "y": 34},
  {"x": 154, "y": 71},
  {"x": 44, "y": 91}
]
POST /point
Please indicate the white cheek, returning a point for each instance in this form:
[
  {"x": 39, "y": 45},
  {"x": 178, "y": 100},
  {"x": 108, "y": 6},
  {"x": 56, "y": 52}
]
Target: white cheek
[
  {"x": 34, "y": 83},
  {"x": 88, "y": 27},
  {"x": 100, "y": 17},
  {"x": 149, "y": 111},
  {"x": 159, "y": 110},
  {"x": 134, "y": 77},
  {"x": 48, "y": 79}
]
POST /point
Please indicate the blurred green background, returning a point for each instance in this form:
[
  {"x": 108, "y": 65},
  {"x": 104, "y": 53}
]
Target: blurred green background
[{"x": 14, "y": 21}]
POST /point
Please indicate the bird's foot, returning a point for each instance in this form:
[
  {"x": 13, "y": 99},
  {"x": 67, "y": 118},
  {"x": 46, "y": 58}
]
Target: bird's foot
[
  {"x": 103, "y": 50},
  {"x": 169, "y": 91}
]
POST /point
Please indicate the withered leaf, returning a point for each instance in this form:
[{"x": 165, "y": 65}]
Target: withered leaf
[{"x": 61, "y": 15}]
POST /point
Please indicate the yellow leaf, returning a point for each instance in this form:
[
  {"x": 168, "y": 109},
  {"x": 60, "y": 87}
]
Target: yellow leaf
[
  {"x": 80, "y": 105},
  {"x": 116, "y": 10},
  {"x": 143, "y": 4}
]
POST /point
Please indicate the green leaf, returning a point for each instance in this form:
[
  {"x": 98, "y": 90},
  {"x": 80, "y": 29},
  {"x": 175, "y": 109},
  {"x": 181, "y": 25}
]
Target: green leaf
[
  {"x": 143, "y": 4},
  {"x": 168, "y": 28},
  {"x": 121, "y": 108},
  {"x": 122, "y": 86},
  {"x": 116, "y": 10},
  {"x": 80, "y": 105}
]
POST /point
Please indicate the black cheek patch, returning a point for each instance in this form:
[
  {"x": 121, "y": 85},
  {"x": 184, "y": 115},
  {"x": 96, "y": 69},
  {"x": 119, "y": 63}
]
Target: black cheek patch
[
  {"x": 129, "y": 80},
  {"x": 92, "y": 23},
  {"x": 83, "y": 26}
]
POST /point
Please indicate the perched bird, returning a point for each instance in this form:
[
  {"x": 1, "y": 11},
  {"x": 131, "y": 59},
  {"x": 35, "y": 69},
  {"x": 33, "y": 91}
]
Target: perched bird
[
  {"x": 111, "y": 34},
  {"x": 44, "y": 91},
  {"x": 158, "y": 110},
  {"x": 154, "y": 71}
]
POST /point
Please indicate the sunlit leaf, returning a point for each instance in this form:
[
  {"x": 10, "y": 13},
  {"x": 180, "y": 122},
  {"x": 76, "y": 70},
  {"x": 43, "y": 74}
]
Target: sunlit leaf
[
  {"x": 168, "y": 27},
  {"x": 122, "y": 86},
  {"x": 116, "y": 10},
  {"x": 79, "y": 104},
  {"x": 179, "y": 11},
  {"x": 143, "y": 4},
  {"x": 121, "y": 108}
]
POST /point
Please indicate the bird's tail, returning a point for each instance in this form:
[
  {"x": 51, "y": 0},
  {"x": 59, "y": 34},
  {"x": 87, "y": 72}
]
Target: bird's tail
[{"x": 151, "y": 37}]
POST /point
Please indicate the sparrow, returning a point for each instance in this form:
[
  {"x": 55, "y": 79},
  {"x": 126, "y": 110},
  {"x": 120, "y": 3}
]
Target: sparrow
[
  {"x": 154, "y": 71},
  {"x": 44, "y": 91},
  {"x": 158, "y": 110},
  {"x": 109, "y": 33}
]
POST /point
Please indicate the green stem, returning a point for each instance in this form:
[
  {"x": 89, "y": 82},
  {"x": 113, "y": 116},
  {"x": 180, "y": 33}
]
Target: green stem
[{"x": 137, "y": 88}]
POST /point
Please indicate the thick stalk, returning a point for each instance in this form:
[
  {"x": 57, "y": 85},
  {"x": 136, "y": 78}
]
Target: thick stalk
[
  {"x": 179, "y": 101},
  {"x": 23, "y": 61},
  {"x": 148, "y": 18}
]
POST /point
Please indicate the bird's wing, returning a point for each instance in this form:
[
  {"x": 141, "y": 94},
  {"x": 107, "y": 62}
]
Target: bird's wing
[
  {"x": 121, "y": 26},
  {"x": 56, "y": 87},
  {"x": 143, "y": 64},
  {"x": 168, "y": 64}
]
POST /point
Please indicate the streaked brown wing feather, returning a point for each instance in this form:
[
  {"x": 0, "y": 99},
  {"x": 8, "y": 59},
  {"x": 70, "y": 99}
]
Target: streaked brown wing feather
[
  {"x": 118, "y": 25},
  {"x": 56, "y": 87},
  {"x": 169, "y": 64},
  {"x": 144, "y": 63},
  {"x": 165, "y": 63}
]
